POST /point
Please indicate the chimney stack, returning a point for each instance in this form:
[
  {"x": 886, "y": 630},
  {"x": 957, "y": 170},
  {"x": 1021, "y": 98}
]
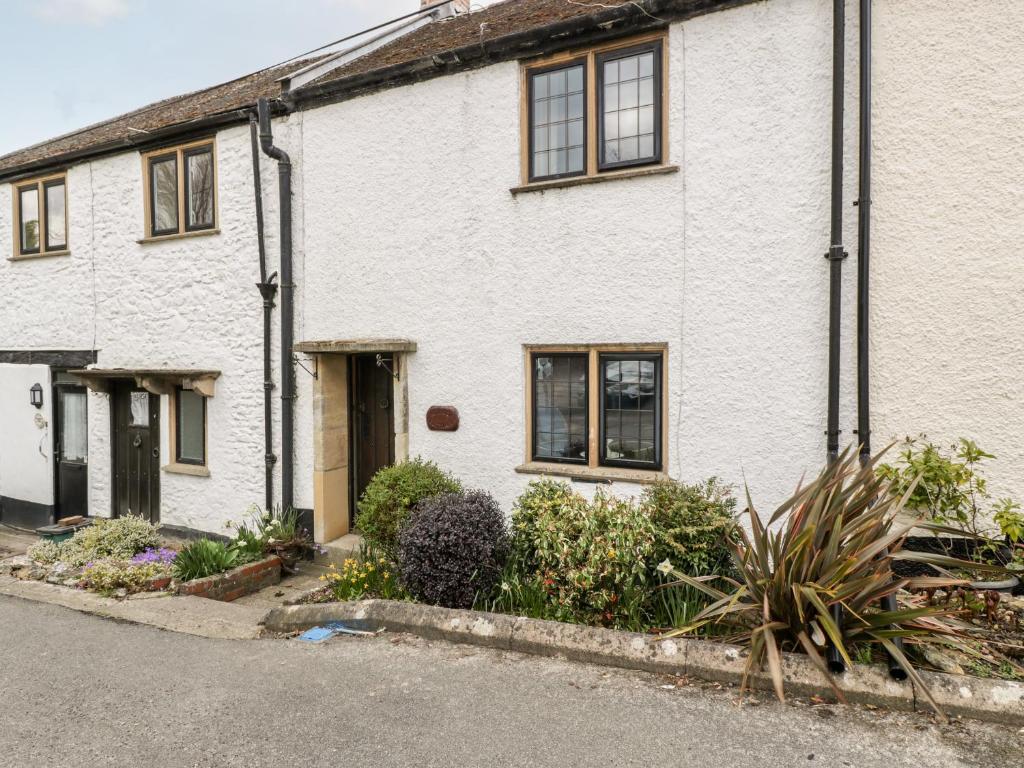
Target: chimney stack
[{"x": 452, "y": 8}]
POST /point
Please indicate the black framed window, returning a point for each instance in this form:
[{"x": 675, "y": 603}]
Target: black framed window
[
  {"x": 630, "y": 410},
  {"x": 190, "y": 427},
  {"x": 29, "y": 233},
  {"x": 558, "y": 125},
  {"x": 629, "y": 106},
  {"x": 198, "y": 188},
  {"x": 163, "y": 191},
  {"x": 560, "y": 405},
  {"x": 55, "y": 207}
]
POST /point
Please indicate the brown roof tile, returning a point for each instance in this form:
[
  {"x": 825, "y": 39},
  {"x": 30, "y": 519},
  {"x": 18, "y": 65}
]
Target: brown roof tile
[{"x": 130, "y": 128}]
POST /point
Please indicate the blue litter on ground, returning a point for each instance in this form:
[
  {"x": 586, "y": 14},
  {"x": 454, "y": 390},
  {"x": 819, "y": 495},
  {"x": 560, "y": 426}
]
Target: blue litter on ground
[{"x": 329, "y": 630}]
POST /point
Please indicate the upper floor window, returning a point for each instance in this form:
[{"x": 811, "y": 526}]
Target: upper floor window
[
  {"x": 597, "y": 406},
  {"x": 596, "y": 111},
  {"x": 180, "y": 190},
  {"x": 40, "y": 217}
]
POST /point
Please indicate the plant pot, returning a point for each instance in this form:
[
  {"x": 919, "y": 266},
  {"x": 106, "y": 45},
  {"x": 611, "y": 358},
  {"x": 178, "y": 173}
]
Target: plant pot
[{"x": 1003, "y": 585}]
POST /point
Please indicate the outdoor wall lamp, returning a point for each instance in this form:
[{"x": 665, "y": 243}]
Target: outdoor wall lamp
[{"x": 36, "y": 395}]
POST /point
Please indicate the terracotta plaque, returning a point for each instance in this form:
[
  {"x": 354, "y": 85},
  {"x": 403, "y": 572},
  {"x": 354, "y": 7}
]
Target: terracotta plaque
[{"x": 442, "y": 418}]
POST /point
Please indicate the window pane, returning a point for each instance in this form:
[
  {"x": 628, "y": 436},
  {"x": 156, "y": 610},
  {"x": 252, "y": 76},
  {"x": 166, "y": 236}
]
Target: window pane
[
  {"x": 139, "y": 414},
  {"x": 560, "y": 407},
  {"x": 74, "y": 427},
  {"x": 164, "y": 191},
  {"x": 56, "y": 226},
  {"x": 557, "y": 122},
  {"x": 630, "y": 129},
  {"x": 200, "y": 189},
  {"x": 629, "y": 410},
  {"x": 29, "y": 206},
  {"x": 191, "y": 427}
]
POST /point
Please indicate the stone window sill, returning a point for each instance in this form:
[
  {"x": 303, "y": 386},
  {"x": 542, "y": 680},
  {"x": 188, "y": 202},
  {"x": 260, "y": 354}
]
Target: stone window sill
[
  {"x": 31, "y": 256},
  {"x": 195, "y": 470},
  {"x": 178, "y": 236},
  {"x": 592, "y": 474},
  {"x": 576, "y": 181}
]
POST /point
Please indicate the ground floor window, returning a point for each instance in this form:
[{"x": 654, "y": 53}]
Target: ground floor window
[
  {"x": 597, "y": 406},
  {"x": 189, "y": 430}
]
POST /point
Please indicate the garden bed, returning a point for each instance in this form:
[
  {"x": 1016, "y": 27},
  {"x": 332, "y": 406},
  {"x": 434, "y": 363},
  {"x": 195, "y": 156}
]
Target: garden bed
[{"x": 238, "y": 582}]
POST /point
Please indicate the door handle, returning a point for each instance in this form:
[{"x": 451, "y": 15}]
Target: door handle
[{"x": 156, "y": 453}]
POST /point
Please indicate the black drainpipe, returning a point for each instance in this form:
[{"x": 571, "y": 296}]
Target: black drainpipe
[
  {"x": 268, "y": 289},
  {"x": 863, "y": 274},
  {"x": 284, "y": 177},
  {"x": 835, "y": 257}
]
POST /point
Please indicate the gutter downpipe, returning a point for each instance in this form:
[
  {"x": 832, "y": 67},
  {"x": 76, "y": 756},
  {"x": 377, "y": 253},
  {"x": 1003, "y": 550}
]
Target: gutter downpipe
[
  {"x": 836, "y": 254},
  {"x": 267, "y": 289},
  {"x": 284, "y": 178},
  {"x": 863, "y": 283}
]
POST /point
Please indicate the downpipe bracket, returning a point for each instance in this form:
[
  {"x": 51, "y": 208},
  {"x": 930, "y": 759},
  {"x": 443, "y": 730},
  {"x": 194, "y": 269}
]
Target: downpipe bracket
[{"x": 836, "y": 253}]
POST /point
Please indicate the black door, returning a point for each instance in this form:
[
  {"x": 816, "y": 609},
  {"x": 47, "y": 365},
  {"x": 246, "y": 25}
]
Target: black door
[
  {"x": 136, "y": 429},
  {"x": 372, "y": 420},
  {"x": 72, "y": 450}
]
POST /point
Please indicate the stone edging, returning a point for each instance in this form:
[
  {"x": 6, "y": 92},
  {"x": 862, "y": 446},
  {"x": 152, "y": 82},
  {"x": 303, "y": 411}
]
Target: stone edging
[{"x": 993, "y": 700}]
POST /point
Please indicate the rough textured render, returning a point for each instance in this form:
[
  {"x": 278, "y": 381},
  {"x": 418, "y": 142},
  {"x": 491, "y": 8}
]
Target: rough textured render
[
  {"x": 947, "y": 288},
  {"x": 722, "y": 260}
]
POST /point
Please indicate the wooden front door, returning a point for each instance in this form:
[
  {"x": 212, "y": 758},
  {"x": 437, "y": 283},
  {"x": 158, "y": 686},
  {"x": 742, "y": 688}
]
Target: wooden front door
[
  {"x": 72, "y": 450},
  {"x": 136, "y": 430},
  {"x": 372, "y": 420}
]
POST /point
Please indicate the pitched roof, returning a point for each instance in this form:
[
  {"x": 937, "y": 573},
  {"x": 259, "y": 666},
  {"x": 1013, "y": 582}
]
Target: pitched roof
[
  {"x": 133, "y": 127},
  {"x": 504, "y": 30}
]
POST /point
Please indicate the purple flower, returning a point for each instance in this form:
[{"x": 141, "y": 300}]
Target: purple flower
[{"x": 163, "y": 556}]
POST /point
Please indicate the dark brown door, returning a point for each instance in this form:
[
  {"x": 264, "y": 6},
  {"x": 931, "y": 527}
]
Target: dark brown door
[
  {"x": 72, "y": 450},
  {"x": 136, "y": 453},
  {"x": 373, "y": 420}
]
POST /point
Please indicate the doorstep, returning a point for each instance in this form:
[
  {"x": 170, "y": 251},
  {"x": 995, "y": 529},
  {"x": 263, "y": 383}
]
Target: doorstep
[{"x": 340, "y": 549}]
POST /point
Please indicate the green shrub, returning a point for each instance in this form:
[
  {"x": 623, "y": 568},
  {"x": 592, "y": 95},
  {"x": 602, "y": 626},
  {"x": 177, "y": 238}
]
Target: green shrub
[
  {"x": 202, "y": 558},
  {"x": 591, "y": 560},
  {"x": 391, "y": 495},
  {"x": 830, "y": 545},
  {"x": 453, "y": 548},
  {"x": 106, "y": 576},
  {"x": 117, "y": 539},
  {"x": 692, "y": 524},
  {"x": 45, "y": 552}
]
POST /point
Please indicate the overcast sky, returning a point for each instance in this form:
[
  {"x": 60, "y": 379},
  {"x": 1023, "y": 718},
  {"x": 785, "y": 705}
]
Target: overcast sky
[{"x": 75, "y": 62}]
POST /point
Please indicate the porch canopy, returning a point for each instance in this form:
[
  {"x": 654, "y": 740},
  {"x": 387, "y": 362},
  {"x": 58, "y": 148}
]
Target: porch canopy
[
  {"x": 355, "y": 346},
  {"x": 159, "y": 381}
]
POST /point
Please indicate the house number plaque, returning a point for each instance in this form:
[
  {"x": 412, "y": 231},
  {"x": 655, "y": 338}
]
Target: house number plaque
[{"x": 442, "y": 418}]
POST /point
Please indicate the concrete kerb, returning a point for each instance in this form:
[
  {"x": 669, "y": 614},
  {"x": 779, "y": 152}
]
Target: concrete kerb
[{"x": 992, "y": 700}]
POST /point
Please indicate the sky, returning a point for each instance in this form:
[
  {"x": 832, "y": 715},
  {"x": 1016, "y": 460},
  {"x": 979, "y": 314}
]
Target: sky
[{"x": 75, "y": 62}]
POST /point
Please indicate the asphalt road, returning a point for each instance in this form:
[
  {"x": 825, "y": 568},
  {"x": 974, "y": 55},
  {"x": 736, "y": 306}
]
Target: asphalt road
[{"x": 80, "y": 691}]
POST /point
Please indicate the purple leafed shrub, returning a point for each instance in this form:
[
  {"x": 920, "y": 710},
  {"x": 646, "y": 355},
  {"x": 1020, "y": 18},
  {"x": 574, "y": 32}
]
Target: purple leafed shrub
[
  {"x": 452, "y": 548},
  {"x": 163, "y": 556}
]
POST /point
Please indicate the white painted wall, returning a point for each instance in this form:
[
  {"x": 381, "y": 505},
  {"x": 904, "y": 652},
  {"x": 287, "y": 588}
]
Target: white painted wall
[
  {"x": 26, "y": 438},
  {"x": 188, "y": 303},
  {"x": 723, "y": 261},
  {"x": 947, "y": 286},
  {"x": 404, "y": 226}
]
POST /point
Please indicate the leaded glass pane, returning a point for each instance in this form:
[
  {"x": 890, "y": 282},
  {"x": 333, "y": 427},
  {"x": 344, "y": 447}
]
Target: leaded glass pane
[
  {"x": 629, "y": 410},
  {"x": 557, "y": 122},
  {"x": 629, "y": 93},
  {"x": 28, "y": 204},
  {"x": 560, "y": 407}
]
